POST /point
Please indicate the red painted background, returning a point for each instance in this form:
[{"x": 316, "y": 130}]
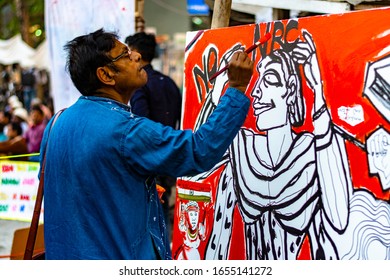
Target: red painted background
[{"x": 345, "y": 44}]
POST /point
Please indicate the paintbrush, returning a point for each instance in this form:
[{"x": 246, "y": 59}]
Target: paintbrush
[{"x": 248, "y": 50}]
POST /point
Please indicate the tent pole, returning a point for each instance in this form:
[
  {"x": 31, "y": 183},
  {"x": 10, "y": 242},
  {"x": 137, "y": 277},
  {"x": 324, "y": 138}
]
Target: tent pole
[
  {"x": 221, "y": 13},
  {"x": 139, "y": 16}
]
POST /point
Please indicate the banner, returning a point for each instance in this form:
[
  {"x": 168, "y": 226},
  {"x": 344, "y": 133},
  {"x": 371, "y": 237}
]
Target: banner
[
  {"x": 308, "y": 175},
  {"x": 18, "y": 190}
]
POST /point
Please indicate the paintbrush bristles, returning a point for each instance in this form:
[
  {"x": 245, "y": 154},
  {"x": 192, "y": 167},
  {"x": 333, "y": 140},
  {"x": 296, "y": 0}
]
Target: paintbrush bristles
[{"x": 248, "y": 50}]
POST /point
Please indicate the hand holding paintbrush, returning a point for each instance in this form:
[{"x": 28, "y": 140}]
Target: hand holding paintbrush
[
  {"x": 249, "y": 50},
  {"x": 240, "y": 71}
]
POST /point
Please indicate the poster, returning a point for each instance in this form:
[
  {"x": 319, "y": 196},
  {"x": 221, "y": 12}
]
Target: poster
[
  {"x": 308, "y": 175},
  {"x": 18, "y": 190}
]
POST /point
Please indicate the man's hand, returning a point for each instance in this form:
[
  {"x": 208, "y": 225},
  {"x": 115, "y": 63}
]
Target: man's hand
[{"x": 240, "y": 70}]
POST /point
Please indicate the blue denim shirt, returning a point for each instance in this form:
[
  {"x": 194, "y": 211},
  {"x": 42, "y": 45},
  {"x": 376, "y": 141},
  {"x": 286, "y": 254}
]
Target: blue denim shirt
[{"x": 100, "y": 198}]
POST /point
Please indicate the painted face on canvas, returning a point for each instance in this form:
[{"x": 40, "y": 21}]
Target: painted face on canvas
[
  {"x": 269, "y": 95},
  {"x": 193, "y": 216}
]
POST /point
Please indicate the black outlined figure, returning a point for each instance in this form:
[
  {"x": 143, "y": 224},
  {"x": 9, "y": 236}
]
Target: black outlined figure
[
  {"x": 287, "y": 186},
  {"x": 193, "y": 228},
  {"x": 378, "y": 153},
  {"x": 291, "y": 185}
]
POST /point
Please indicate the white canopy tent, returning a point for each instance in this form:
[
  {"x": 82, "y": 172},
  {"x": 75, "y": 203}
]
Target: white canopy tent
[{"x": 15, "y": 50}]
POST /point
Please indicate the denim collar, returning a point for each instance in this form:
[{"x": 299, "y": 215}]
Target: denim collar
[{"x": 110, "y": 102}]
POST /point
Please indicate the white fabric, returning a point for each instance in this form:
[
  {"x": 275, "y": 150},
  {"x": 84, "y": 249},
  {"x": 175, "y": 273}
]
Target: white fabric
[
  {"x": 41, "y": 58},
  {"x": 67, "y": 19},
  {"x": 15, "y": 50}
]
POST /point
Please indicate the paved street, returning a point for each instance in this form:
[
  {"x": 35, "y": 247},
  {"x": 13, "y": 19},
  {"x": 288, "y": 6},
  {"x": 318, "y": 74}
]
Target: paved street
[{"x": 7, "y": 229}]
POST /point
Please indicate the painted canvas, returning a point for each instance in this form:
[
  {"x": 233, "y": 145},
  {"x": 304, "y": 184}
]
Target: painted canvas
[{"x": 308, "y": 175}]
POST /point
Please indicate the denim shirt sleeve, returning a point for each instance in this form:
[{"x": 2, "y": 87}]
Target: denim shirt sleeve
[{"x": 151, "y": 148}]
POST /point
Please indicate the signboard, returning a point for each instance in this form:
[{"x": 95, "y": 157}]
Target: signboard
[
  {"x": 197, "y": 8},
  {"x": 308, "y": 175},
  {"x": 18, "y": 189}
]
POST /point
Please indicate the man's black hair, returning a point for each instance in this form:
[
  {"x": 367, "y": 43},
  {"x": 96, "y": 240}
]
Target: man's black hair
[
  {"x": 87, "y": 53},
  {"x": 37, "y": 107},
  {"x": 16, "y": 127},
  {"x": 143, "y": 43}
]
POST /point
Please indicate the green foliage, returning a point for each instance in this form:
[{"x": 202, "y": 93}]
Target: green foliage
[{"x": 19, "y": 15}]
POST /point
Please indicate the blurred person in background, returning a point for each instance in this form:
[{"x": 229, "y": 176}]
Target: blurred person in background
[
  {"x": 20, "y": 115},
  {"x": 5, "y": 119},
  {"x": 15, "y": 71},
  {"x": 159, "y": 100},
  {"x": 47, "y": 112},
  {"x": 15, "y": 144},
  {"x": 28, "y": 86},
  {"x": 35, "y": 131}
]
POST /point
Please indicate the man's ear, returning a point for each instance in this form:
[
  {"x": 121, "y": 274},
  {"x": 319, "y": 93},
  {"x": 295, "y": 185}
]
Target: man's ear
[{"x": 105, "y": 75}]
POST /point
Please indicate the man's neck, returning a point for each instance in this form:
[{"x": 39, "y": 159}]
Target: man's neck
[{"x": 112, "y": 95}]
